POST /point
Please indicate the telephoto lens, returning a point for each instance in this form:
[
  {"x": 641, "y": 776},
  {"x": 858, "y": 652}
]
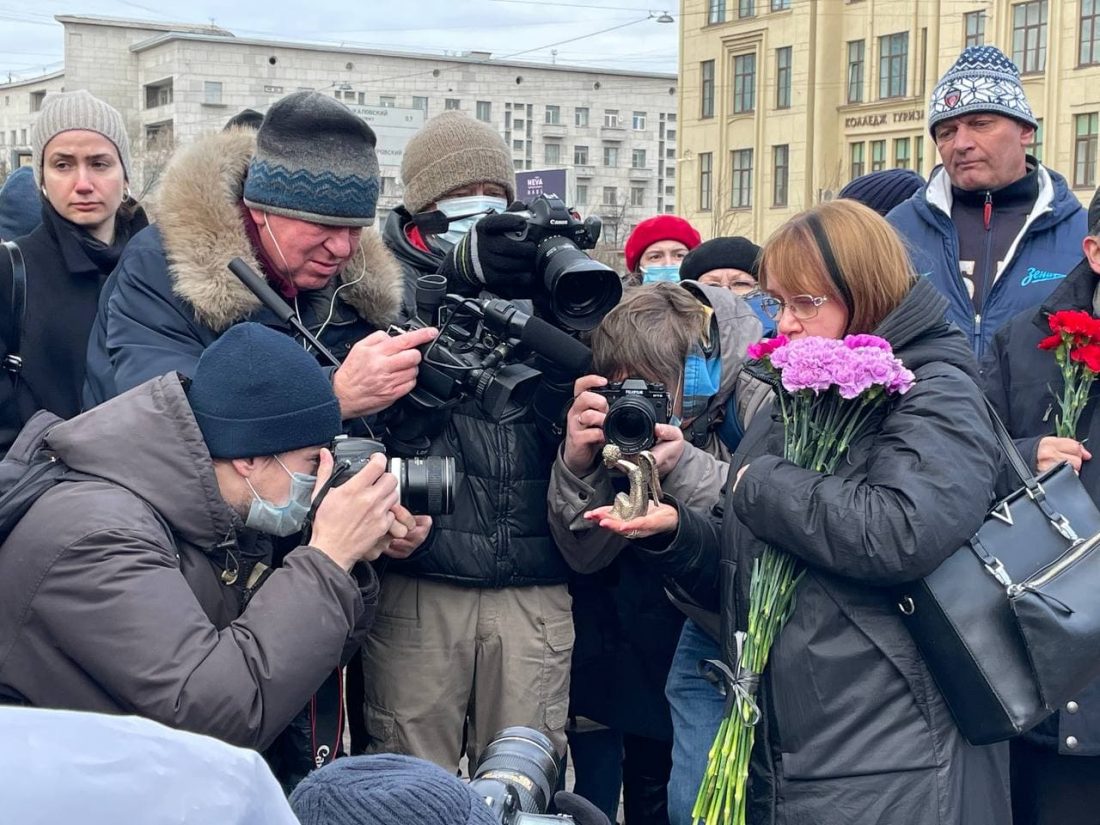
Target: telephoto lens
[
  {"x": 629, "y": 424},
  {"x": 518, "y": 773}
]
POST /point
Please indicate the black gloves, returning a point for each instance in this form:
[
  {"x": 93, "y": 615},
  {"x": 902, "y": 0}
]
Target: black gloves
[
  {"x": 582, "y": 811},
  {"x": 486, "y": 258}
]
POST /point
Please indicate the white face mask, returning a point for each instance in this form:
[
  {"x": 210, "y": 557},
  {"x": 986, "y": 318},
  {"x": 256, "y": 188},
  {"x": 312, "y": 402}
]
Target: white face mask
[
  {"x": 475, "y": 206},
  {"x": 286, "y": 519}
]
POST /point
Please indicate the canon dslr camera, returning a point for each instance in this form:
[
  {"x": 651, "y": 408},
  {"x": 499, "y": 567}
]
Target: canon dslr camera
[
  {"x": 426, "y": 486},
  {"x": 635, "y": 407}
]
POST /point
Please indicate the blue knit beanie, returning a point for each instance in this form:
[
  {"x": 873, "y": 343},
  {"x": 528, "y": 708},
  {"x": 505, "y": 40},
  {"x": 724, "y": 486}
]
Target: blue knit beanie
[
  {"x": 387, "y": 789},
  {"x": 983, "y": 79},
  {"x": 883, "y": 190},
  {"x": 256, "y": 392},
  {"x": 314, "y": 161},
  {"x": 20, "y": 204}
]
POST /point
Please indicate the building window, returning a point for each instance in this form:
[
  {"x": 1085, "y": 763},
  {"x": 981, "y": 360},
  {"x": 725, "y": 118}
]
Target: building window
[
  {"x": 451, "y": 104},
  {"x": 389, "y": 186},
  {"x": 1086, "y": 129},
  {"x": 780, "y": 172},
  {"x": 783, "y": 78},
  {"x": 919, "y": 140},
  {"x": 744, "y": 83},
  {"x": 158, "y": 94},
  {"x": 610, "y": 196},
  {"x": 781, "y": 5},
  {"x": 856, "y": 51},
  {"x": 706, "y": 88},
  {"x": 639, "y": 121},
  {"x": 637, "y": 159},
  {"x": 582, "y": 194},
  {"x": 855, "y": 158},
  {"x": 420, "y": 103},
  {"x": 637, "y": 196},
  {"x": 517, "y": 145},
  {"x": 580, "y": 155},
  {"x": 878, "y": 155},
  {"x": 36, "y": 101},
  {"x": 975, "y": 28},
  {"x": 741, "y": 190},
  {"x": 746, "y": 8},
  {"x": 893, "y": 64},
  {"x": 552, "y": 153},
  {"x": 212, "y": 92},
  {"x": 158, "y": 136},
  {"x": 553, "y": 115},
  {"x": 580, "y": 116},
  {"x": 387, "y": 101},
  {"x": 611, "y": 118},
  {"x": 483, "y": 110},
  {"x": 706, "y": 162},
  {"x": 1036, "y": 145},
  {"x": 22, "y": 137},
  {"x": 716, "y": 11},
  {"x": 1090, "y": 33},
  {"x": 611, "y": 156},
  {"x": 901, "y": 153},
  {"x": 1029, "y": 36}
]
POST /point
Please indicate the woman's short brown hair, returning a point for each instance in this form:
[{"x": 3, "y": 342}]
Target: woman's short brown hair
[
  {"x": 649, "y": 333},
  {"x": 869, "y": 253}
]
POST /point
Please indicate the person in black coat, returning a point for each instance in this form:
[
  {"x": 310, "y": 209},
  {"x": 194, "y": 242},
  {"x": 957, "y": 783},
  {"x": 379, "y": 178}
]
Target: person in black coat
[
  {"x": 853, "y": 728},
  {"x": 82, "y": 164},
  {"x": 1055, "y": 766}
]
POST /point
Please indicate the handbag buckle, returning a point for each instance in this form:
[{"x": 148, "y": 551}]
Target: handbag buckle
[
  {"x": 12, "y": 363},
  {"x": 998, "y": 571},
  {"x": 1062, "y": 525},
  {"x": 1036, "y": 493}
]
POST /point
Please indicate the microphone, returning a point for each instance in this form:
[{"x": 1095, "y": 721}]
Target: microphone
[
  {"x": 559, "y": 348},
  {"x": 271, "y": 299}
]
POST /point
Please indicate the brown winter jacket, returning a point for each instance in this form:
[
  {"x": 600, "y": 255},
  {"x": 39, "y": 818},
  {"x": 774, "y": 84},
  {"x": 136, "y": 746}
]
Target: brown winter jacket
[{"x": 112, "y": 596}]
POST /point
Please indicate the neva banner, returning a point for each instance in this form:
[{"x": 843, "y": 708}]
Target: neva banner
[{"x": 530, "y": 185}]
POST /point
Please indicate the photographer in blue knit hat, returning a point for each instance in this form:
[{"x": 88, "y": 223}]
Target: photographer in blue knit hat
[
  {"x": 143, "y": 582},
  {"x": 292, "y": 200},
  {"x": 994, "y": 230}
]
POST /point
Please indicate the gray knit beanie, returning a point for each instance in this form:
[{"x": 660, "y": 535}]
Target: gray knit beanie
[
  {"x": 983, "y": 79},
  {"x": 454, "y": 150},
  {"x": 387, "y": 789},
  {"x": 67, "y": 111},
  {"x": 314, "y": 161}
]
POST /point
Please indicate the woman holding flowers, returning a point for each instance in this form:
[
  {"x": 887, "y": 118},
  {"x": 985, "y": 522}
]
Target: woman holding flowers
[
  {"x": 1040, "y": 377},
  {"x": 877, "y": 463}
]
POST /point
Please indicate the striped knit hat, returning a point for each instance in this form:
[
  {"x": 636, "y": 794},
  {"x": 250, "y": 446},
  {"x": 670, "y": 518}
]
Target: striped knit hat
[
  {"x": 982, "y": 80},
  {"x": 79, "y": 110},
  {"x": 314, "y": 161}
]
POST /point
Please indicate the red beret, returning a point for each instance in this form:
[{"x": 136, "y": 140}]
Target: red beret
[{"x": 659, "y": 228}]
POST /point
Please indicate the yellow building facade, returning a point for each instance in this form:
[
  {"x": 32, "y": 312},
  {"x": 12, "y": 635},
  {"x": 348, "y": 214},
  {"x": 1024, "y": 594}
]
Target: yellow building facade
[{"x": 782, "y": 102}]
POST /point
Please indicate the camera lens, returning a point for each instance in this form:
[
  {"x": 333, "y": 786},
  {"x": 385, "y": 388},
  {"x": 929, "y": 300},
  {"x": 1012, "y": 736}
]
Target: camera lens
[
  {"x": 629, "y": 424},
  {"x": 523, "y": 759},
  {"x": 582, "y": 291},
  {"x": 426, "y": 485}
]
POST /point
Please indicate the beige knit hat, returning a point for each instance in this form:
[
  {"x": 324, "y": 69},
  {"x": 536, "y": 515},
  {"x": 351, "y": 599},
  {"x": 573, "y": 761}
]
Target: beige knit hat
[
  {"x": 66, "y": 111},
  {"x": 454, "y": 150}
]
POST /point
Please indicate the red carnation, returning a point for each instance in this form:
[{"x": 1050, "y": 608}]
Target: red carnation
[
  {"x": 1051, "y": 341},
  {"x": 1089, "y": 355}
]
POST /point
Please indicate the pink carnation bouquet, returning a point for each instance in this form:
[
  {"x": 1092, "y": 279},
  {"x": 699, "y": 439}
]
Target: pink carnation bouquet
[{"x": 827, "y": 390}]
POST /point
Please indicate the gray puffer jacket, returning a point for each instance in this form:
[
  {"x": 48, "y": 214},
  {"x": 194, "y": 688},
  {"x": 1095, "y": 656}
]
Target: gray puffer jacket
[{"x": 113, "y": 599}]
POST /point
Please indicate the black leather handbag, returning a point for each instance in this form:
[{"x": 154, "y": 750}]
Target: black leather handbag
[{"x": 1009, "y": 624}]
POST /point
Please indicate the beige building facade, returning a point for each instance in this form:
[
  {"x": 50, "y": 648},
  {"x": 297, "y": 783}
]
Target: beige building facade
[
  {"x": 782, "y": 102},
  {"x": 613, "y": 132}
]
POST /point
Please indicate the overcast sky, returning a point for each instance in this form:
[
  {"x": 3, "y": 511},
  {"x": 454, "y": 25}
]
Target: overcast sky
[{"x": 30, "y": 39}]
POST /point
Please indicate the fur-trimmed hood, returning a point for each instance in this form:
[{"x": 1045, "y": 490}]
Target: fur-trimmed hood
[{"x": 198, "y": 213}]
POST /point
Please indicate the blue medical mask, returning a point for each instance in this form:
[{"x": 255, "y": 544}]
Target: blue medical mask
[
  {"x": 653, "y": 274},
  {"x": 702, "y": 377},
  {"x": 287, "y": 519},
  {"x": 475, "y": 206}
]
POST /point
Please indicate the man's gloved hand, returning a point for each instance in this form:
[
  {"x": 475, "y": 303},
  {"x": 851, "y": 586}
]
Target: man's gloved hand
[
  {"x": 486, "y": 258},
  {"x": 582, "y": 811}
]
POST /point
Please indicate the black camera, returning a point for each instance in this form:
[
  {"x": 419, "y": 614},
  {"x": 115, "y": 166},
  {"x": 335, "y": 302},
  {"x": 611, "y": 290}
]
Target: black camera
[
  {"x": 635, "y": 407},
  {"x": 580, "y": 290},
  {"x": 517, "y": 776},
  {"x": 426, "y": 486}
]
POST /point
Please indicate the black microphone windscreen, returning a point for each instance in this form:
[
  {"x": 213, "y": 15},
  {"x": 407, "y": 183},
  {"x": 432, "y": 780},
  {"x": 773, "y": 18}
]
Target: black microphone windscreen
[{"x": 556, "y": 346}]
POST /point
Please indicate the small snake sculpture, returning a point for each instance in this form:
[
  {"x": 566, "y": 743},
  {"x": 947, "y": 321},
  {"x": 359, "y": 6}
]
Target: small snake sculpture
[{"x": 645, "y": 484}]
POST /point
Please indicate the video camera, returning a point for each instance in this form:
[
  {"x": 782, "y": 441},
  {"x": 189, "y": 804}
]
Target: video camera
[
  {"x": 635, "y": 407},
  {"x": 517, "y": 776},
  {"x": 480, "y": 351}
]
